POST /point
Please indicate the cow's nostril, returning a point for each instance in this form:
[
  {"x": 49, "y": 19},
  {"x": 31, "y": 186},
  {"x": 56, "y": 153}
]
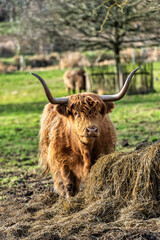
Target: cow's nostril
[
  {"x": 88, "y": 130},
  {"x": 92, "y": 130},
  {"x": 96, "y": 130}
]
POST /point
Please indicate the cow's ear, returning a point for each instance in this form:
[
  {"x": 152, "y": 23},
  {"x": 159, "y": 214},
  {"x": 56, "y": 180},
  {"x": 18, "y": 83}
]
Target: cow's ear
[
  {"x": 109, "y": 106},
  {"x": 62, "y": 109}
]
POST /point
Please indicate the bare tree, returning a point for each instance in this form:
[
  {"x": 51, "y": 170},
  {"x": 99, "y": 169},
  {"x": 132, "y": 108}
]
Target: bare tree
[{"x": 61, "y": 25}]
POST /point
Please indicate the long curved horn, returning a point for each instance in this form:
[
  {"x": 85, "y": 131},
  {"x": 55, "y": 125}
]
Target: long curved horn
[
  {"x": 48, "y": 93},
  {"x": 118, "y": 96}
]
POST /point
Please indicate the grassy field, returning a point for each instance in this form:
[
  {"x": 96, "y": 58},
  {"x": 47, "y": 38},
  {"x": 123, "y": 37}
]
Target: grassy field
[
  {"x": 21, "y": 102},
  {"x": 137, "y": 118}
]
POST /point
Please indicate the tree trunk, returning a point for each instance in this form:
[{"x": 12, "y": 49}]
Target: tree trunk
[{"x": 117, "y": 59}]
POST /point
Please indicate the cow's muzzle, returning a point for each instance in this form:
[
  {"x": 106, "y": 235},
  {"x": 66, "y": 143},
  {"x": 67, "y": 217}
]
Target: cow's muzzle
[{"x": 92, "y": 131}]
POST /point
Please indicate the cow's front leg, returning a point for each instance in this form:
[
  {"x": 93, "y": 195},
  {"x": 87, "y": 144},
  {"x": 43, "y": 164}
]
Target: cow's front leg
[
  {"x": 70, "y": 181},
  {"x": 58, "y": 181},
  {"x": 87, "y": 163}
]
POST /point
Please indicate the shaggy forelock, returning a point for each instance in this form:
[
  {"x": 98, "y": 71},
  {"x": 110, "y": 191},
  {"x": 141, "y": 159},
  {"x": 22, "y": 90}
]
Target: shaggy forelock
[{"x": 86, "y": 104}]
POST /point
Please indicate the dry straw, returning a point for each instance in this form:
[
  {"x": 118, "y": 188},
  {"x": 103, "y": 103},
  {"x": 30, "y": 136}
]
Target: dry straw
[{"x": 121, "y": 198}]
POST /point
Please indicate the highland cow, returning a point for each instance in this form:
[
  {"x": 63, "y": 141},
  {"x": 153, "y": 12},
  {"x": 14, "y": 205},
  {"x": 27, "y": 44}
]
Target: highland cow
[
  {"x": 74, "y": 132},
  {"x": 75, "y": 79}
]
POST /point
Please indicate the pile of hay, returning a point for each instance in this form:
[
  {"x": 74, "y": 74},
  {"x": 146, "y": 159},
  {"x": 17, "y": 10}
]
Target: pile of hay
[{"x": 121, "y": 200}]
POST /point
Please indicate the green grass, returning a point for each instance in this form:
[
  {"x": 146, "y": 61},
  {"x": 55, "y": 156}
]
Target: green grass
[
  {"x": 136, "y": 118},
  {"x": 21, "y": 103},
  {"x": 6, "y": 28},
  {"x": 23, "y": 87}
]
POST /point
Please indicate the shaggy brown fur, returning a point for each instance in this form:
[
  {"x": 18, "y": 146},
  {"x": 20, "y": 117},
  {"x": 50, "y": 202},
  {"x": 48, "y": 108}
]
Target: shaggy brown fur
[
  {"x": 75, "y": 80},
  {"x": 73, "y": 136}
]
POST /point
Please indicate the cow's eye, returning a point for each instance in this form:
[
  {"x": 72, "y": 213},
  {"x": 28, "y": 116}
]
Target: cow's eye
[
  {"x": 102, "y": 111},
  {"x": 69, "y": 112},
  {"x": 76, "y": 114}
]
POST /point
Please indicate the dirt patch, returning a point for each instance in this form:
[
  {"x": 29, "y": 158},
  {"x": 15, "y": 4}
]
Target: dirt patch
[{"x": 121, "y": 200}]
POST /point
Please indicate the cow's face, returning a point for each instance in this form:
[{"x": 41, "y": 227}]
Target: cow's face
[{"x": 85, "y": 113}]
